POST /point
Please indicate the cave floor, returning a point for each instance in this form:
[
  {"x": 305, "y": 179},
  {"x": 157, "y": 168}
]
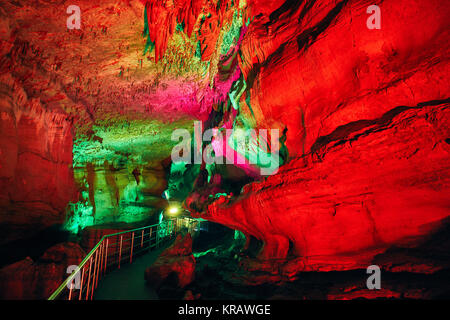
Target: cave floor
[{"x": 127, "y": 283}]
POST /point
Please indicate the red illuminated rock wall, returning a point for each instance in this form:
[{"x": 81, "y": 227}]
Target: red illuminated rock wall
[
  {"x": 28, "y": 279},
  {"x": 369, "y": 112},
  {"x": 369, "y": 186},
  {"x": 177, "y": 259},
  {"x": 316, "y": 66},
  {"x": 36, "y": 177}
]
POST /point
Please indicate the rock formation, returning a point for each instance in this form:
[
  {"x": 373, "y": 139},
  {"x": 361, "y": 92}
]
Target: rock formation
[
  {"x": 28, "y": 279},
  {"x": 367, "y": 135},
  {"x": 177, "y": 261}
]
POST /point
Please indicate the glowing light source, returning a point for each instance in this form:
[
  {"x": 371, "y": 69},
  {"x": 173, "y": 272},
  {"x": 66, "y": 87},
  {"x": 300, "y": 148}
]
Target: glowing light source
[{"x": 173, "y": 210}]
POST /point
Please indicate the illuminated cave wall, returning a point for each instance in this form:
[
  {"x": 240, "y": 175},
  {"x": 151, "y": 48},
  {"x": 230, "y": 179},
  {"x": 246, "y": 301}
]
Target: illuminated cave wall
[
  {"x": 121, "y": 173},
  {"x": 122, "y": 164},
  {"x": 105, "y": 100},
  {"x": 87, "y": 117}
]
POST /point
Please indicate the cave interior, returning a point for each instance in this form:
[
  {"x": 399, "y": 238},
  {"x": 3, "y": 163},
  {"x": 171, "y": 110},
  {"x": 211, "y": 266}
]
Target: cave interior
[{"x": 310, "y": 138}]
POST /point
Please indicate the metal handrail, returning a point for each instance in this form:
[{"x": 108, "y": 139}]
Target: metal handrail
[{"x": 101, "y": 255}]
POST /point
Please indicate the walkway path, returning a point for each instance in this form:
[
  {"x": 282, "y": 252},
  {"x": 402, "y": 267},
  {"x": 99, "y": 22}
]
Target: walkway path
[{"x": 127, "y": 283}]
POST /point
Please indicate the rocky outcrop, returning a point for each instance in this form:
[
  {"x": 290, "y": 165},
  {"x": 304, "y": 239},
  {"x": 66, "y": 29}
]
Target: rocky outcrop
[
  {"x": 36, "y": 177},
  {"x": 313, "y": 66},
  {"x": 18, "y": 280},
  {"x": 176, "y": 261},
  {"x": 367, "y": 134},
  {"x": 368, "y": 186},
  {"x": 28, "y": 279}
]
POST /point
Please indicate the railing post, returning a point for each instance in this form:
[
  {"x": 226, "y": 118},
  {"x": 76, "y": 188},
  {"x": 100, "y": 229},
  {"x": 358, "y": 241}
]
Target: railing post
[
  {"x": 120, "y": 250},
  {"x": 99, "y": 258},
  {"x": 157, "y": 237},
  {"x": 70, "y": 291},
  {"x": 106, "y": 255},
  {"x": 71, "y": 285},
  {"x": 81, "y": 282},
  {"x": 93, "y": 275},
  {"x": 150, "y": 239},
  {"x": 132, "y": 245},
  {"x": 142, "y": 238},
  {"x": 89, "y": 278}
]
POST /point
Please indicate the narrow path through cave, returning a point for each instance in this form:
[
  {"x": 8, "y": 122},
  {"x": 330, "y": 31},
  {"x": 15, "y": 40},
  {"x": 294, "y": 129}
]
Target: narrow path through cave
[{"x": 127, "y": 283}]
